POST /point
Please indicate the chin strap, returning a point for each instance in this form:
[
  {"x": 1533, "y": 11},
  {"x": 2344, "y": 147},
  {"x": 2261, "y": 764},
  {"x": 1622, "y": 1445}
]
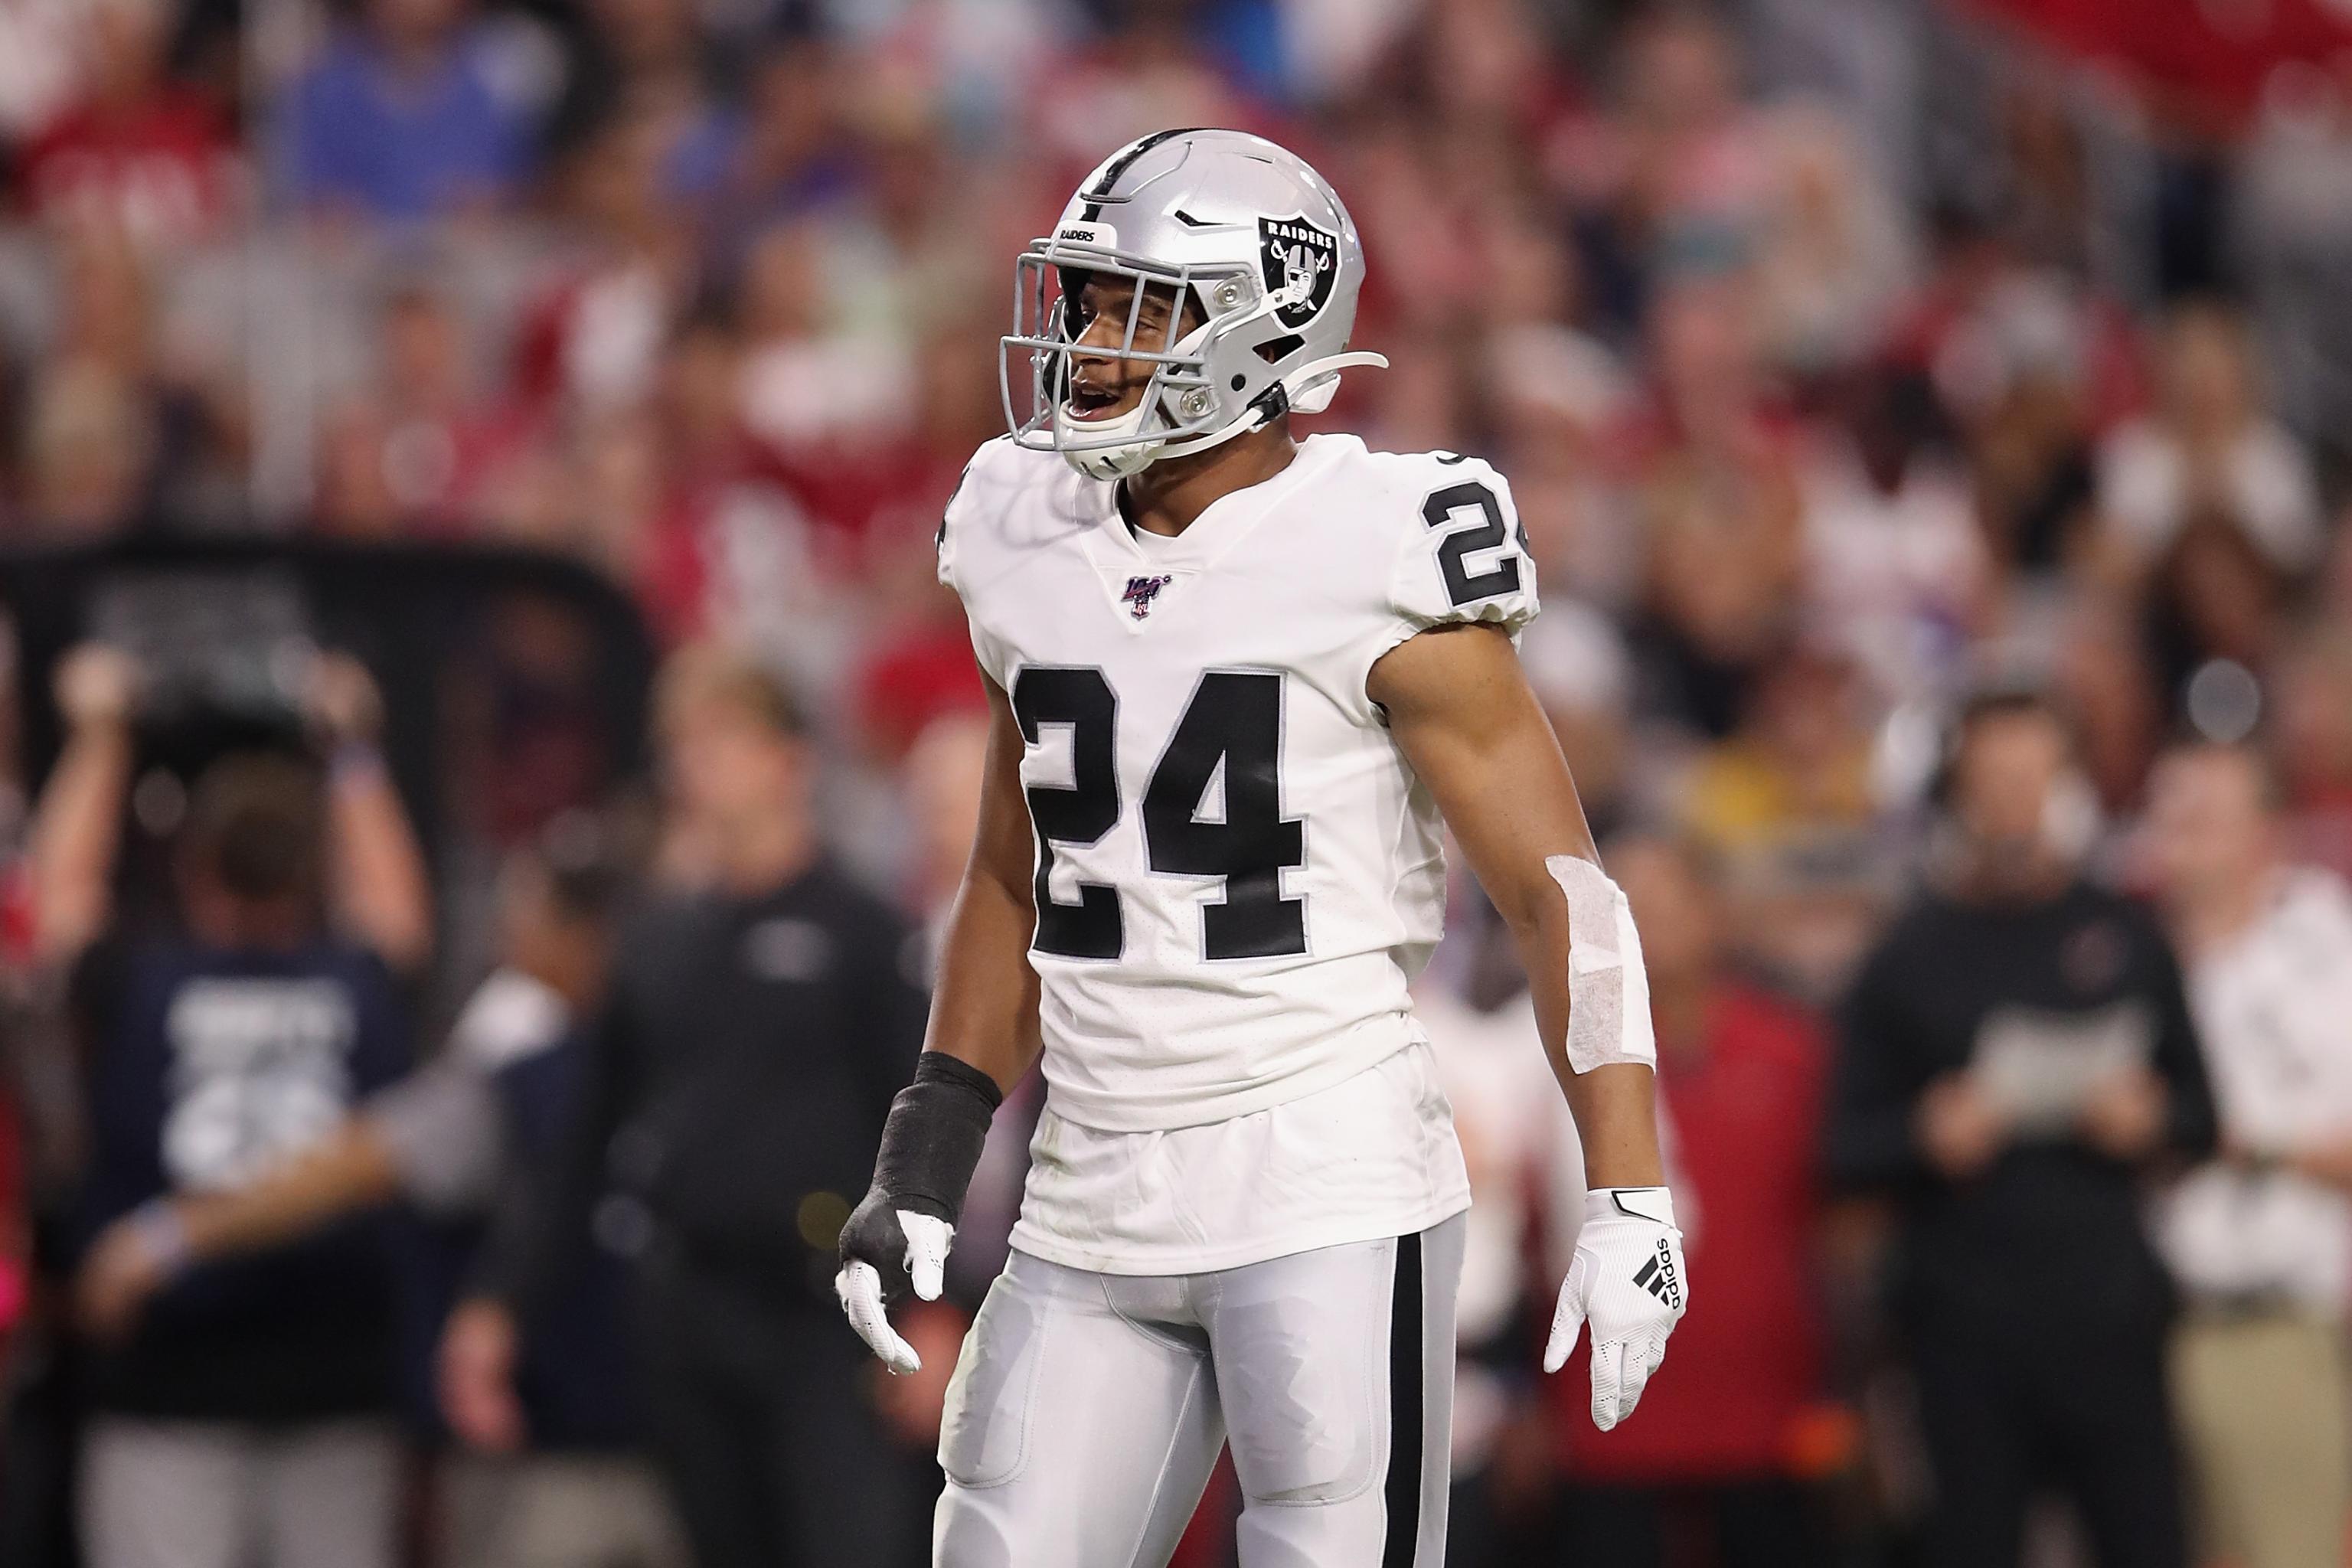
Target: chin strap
[{"x": 1308, "y": 390}]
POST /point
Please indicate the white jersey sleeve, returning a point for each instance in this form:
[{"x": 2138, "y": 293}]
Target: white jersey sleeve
[{"x": 1467, "y": 559}]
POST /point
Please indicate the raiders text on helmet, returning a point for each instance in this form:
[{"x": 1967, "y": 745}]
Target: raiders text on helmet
[{"x": 1263, "y": 247}]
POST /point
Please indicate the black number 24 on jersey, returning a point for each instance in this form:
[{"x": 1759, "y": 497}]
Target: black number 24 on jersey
[{"x": 1234, "y": 721}]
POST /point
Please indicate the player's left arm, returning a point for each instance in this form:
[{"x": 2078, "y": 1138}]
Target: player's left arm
[{"x": 1461, "y": 711}]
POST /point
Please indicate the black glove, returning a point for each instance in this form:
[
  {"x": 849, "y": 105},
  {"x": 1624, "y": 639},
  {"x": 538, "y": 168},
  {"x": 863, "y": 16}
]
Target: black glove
[{"x": 898, "y": 1238}]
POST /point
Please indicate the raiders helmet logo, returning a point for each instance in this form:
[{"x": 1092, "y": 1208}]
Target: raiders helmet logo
[{"x": 1301, "y": 263}]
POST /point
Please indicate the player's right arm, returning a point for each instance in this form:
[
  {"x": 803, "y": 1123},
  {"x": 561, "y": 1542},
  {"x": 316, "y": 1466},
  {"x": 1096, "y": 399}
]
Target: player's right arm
[{"x": 983, "y": 1037}]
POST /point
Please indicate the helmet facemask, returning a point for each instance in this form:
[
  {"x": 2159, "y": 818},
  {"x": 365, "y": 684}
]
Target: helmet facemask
[{"x": 1181, "y": 408}]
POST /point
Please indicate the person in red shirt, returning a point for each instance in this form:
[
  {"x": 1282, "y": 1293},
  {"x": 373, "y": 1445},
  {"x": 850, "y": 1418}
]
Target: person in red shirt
[
  {"x": 136, "y": 150},
  {"x": 1709, "y": 1471}
]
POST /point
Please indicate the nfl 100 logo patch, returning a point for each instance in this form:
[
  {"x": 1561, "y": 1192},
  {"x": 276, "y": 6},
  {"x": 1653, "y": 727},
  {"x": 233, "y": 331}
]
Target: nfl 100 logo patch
[{"x": 1140, "y": 592}]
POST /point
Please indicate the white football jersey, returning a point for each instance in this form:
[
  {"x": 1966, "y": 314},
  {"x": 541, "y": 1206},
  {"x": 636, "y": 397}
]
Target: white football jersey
[{"x": 1237, "y": 874}]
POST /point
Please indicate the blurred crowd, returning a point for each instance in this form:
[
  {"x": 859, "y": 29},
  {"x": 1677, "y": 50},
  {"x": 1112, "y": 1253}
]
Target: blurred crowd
[{"x": 1935, "y": 437}]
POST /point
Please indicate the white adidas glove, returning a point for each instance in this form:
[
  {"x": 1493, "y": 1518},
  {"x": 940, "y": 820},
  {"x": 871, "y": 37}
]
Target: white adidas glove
[
  {"x": 1627, "y": 1281},
  {"x": 860, "y": 1286}
]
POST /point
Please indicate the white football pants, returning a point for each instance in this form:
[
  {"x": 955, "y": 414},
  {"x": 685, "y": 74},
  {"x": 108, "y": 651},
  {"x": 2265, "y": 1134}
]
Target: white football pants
[{"x": 1087, "y": 1410}]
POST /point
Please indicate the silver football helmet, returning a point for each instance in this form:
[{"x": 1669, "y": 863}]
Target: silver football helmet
[{"x": 1246, "y": 232}]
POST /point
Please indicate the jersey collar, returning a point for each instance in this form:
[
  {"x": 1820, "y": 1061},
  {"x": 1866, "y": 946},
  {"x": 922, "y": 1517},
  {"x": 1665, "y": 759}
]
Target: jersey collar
[{"x": 1220, "y": 525}]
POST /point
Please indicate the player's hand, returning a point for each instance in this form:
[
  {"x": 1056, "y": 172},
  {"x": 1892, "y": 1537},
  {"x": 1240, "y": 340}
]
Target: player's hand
[
  {"x": 885, "y": 1252},
  {"x": 1627, "y": 1281}
]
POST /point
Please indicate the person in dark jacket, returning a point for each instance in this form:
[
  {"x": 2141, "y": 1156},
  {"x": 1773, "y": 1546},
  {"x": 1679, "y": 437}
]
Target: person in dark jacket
[
  {"x": 245, "y": 1417},
  {"x": 2016, "y": 1055},
  {"x": 558, "y": 1482},
  {"x": 753, "y": 1033}
]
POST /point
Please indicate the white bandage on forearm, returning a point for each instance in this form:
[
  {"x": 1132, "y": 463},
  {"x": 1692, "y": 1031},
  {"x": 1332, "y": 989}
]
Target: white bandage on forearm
[{"x": 1608, "y": 989}]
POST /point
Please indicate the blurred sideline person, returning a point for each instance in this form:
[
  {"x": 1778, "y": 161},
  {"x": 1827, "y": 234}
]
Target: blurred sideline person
[
  {"x": 2260, "y": 1239},
  {"x": 1238, "y": 684},
  {"x": 1722, "y": 1451},
  {"x": 736, "y": 1077},
  {"x": 449, "y": 1139},
  {"x": 2015, "y": 1054},
  {"x": 246, "y": 1417}
]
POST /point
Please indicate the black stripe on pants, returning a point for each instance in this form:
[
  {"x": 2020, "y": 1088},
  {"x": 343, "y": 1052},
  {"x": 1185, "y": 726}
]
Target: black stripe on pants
[{"x": 1405, "y": 1373}]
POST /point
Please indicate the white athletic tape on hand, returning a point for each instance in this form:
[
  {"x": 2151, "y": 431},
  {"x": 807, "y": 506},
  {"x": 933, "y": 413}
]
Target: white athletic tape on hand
[{"x": 1608, "y": 988}]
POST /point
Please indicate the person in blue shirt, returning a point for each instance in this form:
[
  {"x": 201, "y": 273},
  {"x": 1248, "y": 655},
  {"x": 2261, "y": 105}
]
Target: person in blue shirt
[
  {"x": 247, "y": 1417},
  {"x": 454, "y": 1140},
  {"x": 402, "y": 118}
]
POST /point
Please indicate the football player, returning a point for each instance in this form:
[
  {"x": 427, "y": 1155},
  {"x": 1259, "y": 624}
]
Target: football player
[{"x": 1237, "y": 679}]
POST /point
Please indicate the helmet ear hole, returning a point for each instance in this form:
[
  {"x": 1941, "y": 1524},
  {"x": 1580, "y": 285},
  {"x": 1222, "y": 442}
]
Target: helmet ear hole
[{"x": 1280, "y": 349}]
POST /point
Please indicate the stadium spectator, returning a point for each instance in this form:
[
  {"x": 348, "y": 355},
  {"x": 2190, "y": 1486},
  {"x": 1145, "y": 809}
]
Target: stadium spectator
[
  {"x": 1678, "y": 178},
  {"x": 2260, "y": 1239},
  {"x": 2312, "y": 731},
  {"x": 730, "y": 552},
  {"x": 1720, "y": 1458},
  {"x": 1798, "y": 766},
  {"x": 758, "y": 1023},
  {"x": 592, "y": 338},
  {"x": 449, "y": 1139},
  {"x": 1787, "y": 805},
  {"x": 246, "y": 1417},
  {"x": 1833, "y": 252},
  {"x": 1559, "y": 397},
  {"x": 1724, "y": 512},
  {"x": 2029, "y": 364},
  {"x": 137, "y": 150},
  {"x": 2290, "y": 229},
  {"x": 633, "y": 59},
  {"x": 806, "y": 380},
  {"x": 94, "y": 436},
  {"x": 1894, "y": 566},
  {"x": 407, "y": 115},
  {"x": 786, "y": 155},
  {"x": 2016, "y": 1051},
  {"x": 2209, "y": 449},
  {"x": 413, "y": 456}
]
